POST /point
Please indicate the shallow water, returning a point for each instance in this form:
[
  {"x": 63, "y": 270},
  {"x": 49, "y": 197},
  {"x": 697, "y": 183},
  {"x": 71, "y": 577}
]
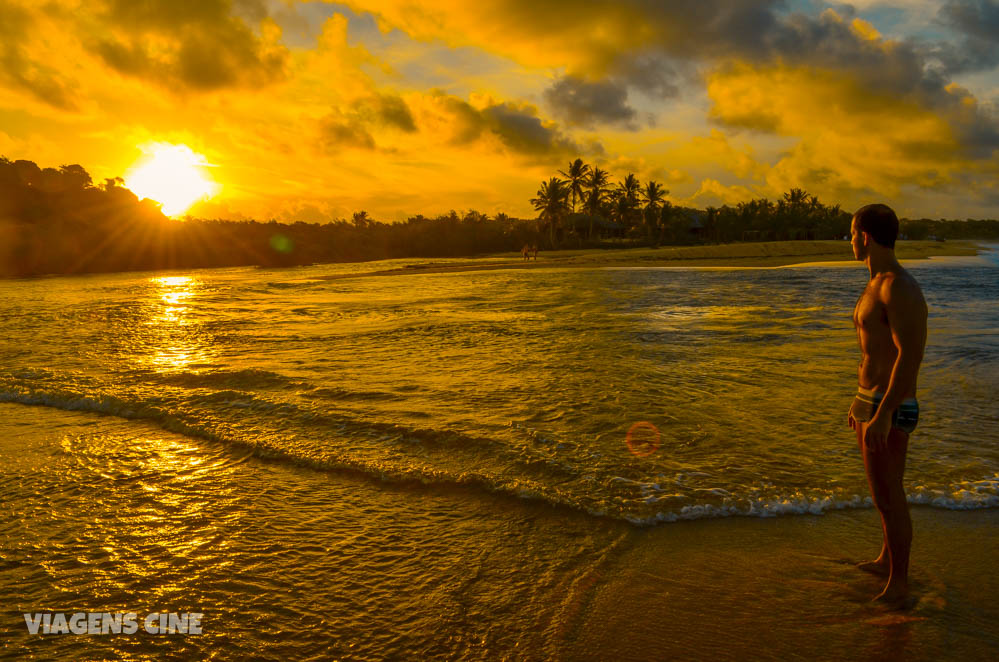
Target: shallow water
[
  {"x": 525, "y": 382},
  {"x": 233, "y": 441}
]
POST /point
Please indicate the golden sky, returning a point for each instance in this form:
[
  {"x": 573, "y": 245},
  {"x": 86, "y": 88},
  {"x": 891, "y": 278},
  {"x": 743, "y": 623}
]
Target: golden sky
[{"x": 314, "y": 110}]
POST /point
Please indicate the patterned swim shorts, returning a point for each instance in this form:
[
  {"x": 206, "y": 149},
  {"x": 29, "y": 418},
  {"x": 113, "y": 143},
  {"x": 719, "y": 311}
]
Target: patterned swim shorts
[{"x": 865, "y": 405}]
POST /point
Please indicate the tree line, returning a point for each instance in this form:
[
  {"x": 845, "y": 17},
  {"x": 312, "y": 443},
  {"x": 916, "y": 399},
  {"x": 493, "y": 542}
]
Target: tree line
[{"x": 57, "y": 220}]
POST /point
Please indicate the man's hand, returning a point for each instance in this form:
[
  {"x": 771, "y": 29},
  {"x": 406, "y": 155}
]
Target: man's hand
[{"x": 876, "y": 433}]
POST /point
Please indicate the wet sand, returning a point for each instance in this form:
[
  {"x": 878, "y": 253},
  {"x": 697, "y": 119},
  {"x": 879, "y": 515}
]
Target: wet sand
[{"x": 787, "y": 588}]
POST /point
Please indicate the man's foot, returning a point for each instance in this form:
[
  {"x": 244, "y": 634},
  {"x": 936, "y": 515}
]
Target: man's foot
[
  {"x": 877, "y": 567},
  {"x": 895, "y": 597}
]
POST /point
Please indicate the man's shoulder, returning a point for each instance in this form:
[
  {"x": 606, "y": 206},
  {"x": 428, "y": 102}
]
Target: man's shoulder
[{"x": 900, "y": 288}]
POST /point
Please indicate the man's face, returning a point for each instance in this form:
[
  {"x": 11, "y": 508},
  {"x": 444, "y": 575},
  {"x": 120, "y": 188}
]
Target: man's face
[{"x": 857, "y": 240}]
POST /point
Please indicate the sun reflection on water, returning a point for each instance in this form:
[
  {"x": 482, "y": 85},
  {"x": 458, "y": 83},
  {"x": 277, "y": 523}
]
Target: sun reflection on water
[{"x": 176, "y": 344}]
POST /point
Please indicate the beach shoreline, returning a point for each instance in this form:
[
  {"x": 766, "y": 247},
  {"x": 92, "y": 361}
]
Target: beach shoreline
[{"x": 727, "y": 256}]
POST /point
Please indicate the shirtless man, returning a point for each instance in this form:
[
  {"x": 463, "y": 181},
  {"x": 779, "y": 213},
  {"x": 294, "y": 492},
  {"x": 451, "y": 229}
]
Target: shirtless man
[{"x": 890, "y": 317}]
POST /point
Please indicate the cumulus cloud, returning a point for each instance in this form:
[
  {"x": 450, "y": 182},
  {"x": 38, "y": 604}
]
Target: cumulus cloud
[
  {"x": 607, "y": 46},
  {"x": 713, "y": 193},
  {"x": 866, "y": 142}
]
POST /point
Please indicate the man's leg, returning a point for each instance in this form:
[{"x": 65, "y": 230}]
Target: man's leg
[
  {"x": 878, "y": 566},
  {"x": 885, "y": 469}
]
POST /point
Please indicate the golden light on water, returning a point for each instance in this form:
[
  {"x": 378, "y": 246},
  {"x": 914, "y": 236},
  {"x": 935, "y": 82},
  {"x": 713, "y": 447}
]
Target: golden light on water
[
  {"x": 176, "y": 346},
  {"x": 172, "y": 175}
]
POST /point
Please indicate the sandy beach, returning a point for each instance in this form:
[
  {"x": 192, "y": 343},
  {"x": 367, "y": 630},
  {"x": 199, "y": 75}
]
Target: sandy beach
[{"x": 786, "y": 588}]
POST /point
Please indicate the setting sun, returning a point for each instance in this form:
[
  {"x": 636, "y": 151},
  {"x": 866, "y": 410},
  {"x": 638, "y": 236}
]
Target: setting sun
[{"x": 172, "y": 175}]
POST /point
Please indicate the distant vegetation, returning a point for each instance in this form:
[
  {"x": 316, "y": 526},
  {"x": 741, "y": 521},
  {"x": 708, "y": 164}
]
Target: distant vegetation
[{"x": 58, "y": 221}]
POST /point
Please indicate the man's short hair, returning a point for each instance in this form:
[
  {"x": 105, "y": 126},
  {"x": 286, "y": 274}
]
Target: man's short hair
[{"x": 880, "y": 222}]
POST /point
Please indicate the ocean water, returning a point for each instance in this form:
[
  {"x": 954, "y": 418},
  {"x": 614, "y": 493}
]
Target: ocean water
[{"x": 234, "y": 440}]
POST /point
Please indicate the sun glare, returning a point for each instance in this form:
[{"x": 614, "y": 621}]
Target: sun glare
[{"x": 172, "y": 175}]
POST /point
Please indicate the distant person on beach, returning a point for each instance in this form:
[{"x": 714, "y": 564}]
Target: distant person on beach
[
  {"x": 890, "y": 318},
  {"x": 534, "y": 248},
  {"x": 524, "y": 252}
]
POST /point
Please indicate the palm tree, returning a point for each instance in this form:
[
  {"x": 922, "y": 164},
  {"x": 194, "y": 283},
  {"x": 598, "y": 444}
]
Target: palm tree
[
  {"x": 622, "y": 208},
  {"x": 630, "y": 186},
  {"x": 653, "y": 194},
  {"x": 361, "y": 219},
  {"x": 575, "y": 177},
  {"x": 667, "y": 214},
  {"x": 551, "y": 203},
  {"x": 594, "y": 201},
  {"x": 628, "y": 191}
]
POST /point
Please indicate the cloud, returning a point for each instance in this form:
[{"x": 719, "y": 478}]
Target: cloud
[
  {"x": 352, "y": 128},
  {"x": 388, "y": 110},
  {"x": 977, "y": 18},
  {"x": 202, "y": 46},
  {"x": 335, "y": 133},
  {"x": 23, "y": 72},
  {"x": 606, "y": 47},
  {"x": 586, "y": 38},
  {"x": 862, "y": 142},
  {"x": 713, "y": 193},
  {"x": 520, "y": 129},
  {"x": 585, "y": 103},
  {"x": 978, "y": 23},
  {"x": 515, "y": 126}
]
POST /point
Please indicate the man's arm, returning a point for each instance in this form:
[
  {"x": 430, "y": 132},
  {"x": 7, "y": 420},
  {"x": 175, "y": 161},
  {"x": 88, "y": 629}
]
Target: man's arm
[{"x": 906, "y": 310}]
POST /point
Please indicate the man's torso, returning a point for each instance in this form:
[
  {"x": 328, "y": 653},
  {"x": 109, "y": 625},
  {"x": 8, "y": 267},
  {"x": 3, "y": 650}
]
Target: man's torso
[{"x": 870, "y": 317}]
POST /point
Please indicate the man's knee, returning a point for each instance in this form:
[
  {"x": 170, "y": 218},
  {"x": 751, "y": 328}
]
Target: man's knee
[{"x": 890, "y": 501}]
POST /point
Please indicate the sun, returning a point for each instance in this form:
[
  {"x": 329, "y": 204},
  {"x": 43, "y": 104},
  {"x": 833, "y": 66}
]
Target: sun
[{"x": 172, "y": 175}]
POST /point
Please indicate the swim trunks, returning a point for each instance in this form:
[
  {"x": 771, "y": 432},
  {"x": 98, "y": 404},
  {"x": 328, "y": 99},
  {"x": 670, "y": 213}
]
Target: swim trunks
[{"x": 865, "y": 405}]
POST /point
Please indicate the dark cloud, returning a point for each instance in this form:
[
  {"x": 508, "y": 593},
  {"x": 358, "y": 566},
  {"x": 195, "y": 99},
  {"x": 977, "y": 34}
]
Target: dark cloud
[
  {"x": 584, "y": 103},
  {"x": 388, "y": 110},
  {"x": 466, "y": 122},
  {"x": 517, "y": 127},
  {"x": 522, "y": 130},
  {"x": 978, "y": 23},
  {"x": 352, "y": 128},
  {"x": 653, "y": 75},
  {"x": 210, "y": 43},
  {"x": 336, "y": 133},
  {"x": 830, "y": 43},
  {"x": 698, "y": 28},
  {"x": 976, "y": 18}
]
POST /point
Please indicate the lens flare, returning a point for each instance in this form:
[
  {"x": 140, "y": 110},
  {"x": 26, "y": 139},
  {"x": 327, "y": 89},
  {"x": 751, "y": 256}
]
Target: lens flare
[{"x": 642, "y": 439}]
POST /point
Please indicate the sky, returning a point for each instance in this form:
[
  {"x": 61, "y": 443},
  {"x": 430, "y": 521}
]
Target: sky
[{"x": 315, "y": 110}]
